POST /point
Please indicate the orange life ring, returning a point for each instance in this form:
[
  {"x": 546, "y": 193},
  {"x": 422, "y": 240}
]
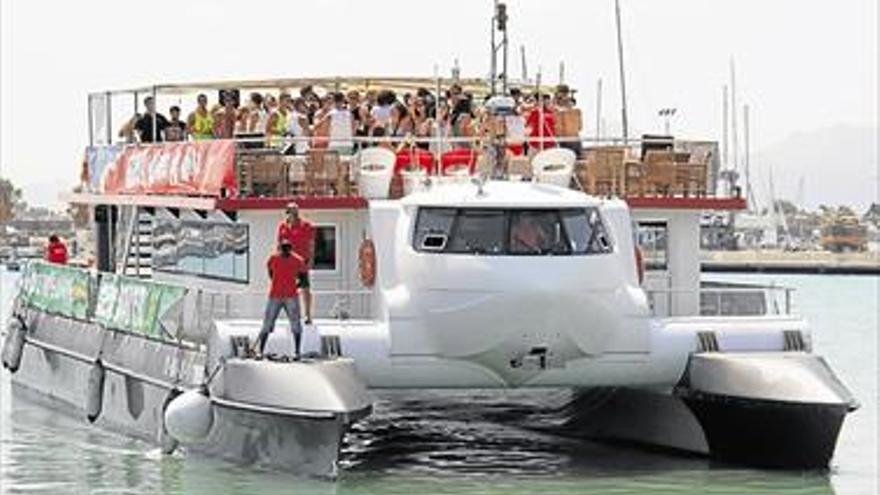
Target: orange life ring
[
  {"x": 367, "y": 263},
  {"x": 640, "y": 264}
]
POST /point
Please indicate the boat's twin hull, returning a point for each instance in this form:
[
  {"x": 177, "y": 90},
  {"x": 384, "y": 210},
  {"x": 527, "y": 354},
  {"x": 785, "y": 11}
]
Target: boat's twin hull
[
  {"x": 745, "y": 408},
  {"x": 775, "y": 410},
  {"x": 54, "y": 370}
]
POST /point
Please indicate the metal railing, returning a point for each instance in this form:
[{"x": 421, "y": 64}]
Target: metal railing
[
  {"x": 186, "y": 318},
  {"x": 202, "y": 306},
  {"x": 271, "y": 167},
  {"x": 723, "y": 301}
]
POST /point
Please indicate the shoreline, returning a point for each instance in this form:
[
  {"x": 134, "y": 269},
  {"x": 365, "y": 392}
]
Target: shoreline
[{"x": 799, "y": 262}]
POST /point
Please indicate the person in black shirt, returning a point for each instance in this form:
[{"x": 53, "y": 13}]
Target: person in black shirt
[
  {"x": 176, "y": 129},
  {"x": 144, "y": 125}
]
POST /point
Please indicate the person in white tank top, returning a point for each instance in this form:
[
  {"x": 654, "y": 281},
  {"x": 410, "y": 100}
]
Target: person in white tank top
[
  {"x": 341, "y": 126},
  {"x": 299, "y": 126}
]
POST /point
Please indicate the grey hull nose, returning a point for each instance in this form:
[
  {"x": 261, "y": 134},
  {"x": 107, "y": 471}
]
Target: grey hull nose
[{"x": 779, "y": 410}]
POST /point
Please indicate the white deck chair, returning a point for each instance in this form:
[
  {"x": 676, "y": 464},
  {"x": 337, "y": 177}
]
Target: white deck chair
[
  {"x": 375, "y": 168},
  {"x": 554, "y": 166}
]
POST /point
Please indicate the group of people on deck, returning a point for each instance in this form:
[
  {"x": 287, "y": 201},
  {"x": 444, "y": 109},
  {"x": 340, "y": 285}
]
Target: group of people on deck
[{"x": 332, "y": 119}]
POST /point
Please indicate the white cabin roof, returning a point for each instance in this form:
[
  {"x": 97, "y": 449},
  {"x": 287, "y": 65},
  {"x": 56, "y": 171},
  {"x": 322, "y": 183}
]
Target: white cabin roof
[{"x": 500, "y": 194}]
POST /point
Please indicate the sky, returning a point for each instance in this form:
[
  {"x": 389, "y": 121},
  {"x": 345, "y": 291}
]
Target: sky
[{"x": 801, "y": 66}]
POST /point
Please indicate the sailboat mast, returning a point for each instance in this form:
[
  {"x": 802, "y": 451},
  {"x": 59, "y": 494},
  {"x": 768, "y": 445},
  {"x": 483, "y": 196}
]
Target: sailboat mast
[
  {"x": 747, "y": 156},
  {"x": 734, "y": 135},
  {"x": 598, "y": 110},
  {"x": 623, "y": 109},
  {"x": 725, "y": 131}
]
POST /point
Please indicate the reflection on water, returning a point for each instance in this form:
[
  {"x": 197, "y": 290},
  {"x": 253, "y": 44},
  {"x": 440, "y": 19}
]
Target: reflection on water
[{"x": 488, "y": 442}]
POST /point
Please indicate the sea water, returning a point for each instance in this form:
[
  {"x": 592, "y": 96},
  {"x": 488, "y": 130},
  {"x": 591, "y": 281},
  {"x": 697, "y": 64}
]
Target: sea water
[{"x": 421, "y": 443}]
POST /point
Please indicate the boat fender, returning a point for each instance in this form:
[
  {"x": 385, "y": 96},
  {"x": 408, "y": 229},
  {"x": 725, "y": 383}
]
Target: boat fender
[
  {"x": 167, "y": 443},
  {"x": 95, "y": 391},
  {"x": 367, "y": 263},
  {"x": 13, "y": 346},
  {"x": 190, "y": 416}
]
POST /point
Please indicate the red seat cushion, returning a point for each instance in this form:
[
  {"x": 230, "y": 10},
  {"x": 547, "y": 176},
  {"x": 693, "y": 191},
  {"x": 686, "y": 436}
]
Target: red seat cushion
[
  {"x": 406, "y": 158},
  {"x": 459, "y": 158}
]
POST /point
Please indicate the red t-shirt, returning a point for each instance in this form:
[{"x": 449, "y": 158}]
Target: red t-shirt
[
  {"x": 534, "y": 123},
  {"x": 301, "y": 236},
  {"x": 284, "y": 272},
  {"x": 56, "y": 252}
]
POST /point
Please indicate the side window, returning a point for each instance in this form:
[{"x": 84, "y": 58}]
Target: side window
[
  {"x": 586, "y": 232},
  {"x": 537, "y": 232},
  {"x": 433, "y": 228},
  {"x": 325, "y": 247},
  {"x": 209, "y": 249},
  {"x": 478, "y": 231},
  {"x": 653, "y": 240},
  {"x": 517, "y": 232}
]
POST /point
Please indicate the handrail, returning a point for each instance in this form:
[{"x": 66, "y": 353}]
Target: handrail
[
  {"x": 201, "y": 298},
  {"x": 259, "y": 138},
  {"x": 771, "y": 306}
]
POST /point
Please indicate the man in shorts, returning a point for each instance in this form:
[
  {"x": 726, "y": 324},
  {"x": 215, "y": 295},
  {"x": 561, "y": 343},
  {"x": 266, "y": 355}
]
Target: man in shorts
[{"x": 301, "y": 235}]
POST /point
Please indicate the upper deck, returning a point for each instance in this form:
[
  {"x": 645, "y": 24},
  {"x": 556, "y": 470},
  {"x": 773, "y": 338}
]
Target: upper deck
[{"x": 243, "y": 168}]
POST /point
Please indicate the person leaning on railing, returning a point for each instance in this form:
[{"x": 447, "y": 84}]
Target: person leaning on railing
[
  {"x": 277, "y": 123},
  {"x": 200, "y": 123},
  {"x": 145, "y": 125},
  {"x": 339, "y": 125},
  {"x": 176, "y": 130},
  {"x": 226, "y": 117},
  {"x": 462, "y": 121},
  {"x": 298, "y": 126},
  {"x": 568, "y": 122},
  {"x": 541, "y": 124}
]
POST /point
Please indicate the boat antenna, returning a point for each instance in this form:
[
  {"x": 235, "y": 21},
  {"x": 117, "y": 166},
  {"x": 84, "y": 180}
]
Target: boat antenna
[
  {"x": 725, "y": 113},
  {"x": 522, "y": 56},
  {"x": 735, "y": 132},
  {"x": 598, "y": 110},
  {"x": 623, "y": 110},
  {"x": 499, "y": 22},
  {"x": 749, "y": 194}
]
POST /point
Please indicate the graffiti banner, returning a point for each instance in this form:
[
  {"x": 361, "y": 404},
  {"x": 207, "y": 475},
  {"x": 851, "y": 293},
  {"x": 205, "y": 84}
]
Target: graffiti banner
[
  {"x": 56, "y": 289},
  {"x": 134, "y": 305},
  {"x": 199, "y": 168}
]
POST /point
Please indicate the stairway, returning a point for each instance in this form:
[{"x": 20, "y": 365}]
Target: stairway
[{"x": 137, "y": 259}]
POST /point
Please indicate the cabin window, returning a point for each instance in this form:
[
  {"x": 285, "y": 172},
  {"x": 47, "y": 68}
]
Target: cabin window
[
  {"x": 433, "y": 228},
  {"x": 537, "y": 232},
  {"x": 653, "y": 239},
  {"x": 325, "y": 247},
  {"x": 513, "y": 232},
  {"x": 478, "y": 232},
  {"x": 215, "y": 250}
]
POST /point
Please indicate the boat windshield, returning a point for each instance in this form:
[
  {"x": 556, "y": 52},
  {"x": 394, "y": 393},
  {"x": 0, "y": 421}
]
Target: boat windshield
[{"x": 511, "y": 232}]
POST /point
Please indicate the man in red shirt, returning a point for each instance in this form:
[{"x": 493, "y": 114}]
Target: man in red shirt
[
  {"x": 301, "y": 235},
  {"x": 541, "y": 123},
  {"x": 56, "y": 251},
  {"x": 284, "y": 267}
]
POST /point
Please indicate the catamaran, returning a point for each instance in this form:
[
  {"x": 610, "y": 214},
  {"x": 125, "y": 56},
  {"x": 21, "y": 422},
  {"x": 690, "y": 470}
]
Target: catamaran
[{"x": 501, "y": 271}]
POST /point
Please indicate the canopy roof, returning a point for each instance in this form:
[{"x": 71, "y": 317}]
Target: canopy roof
[{"x": 476, "y": 86}]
